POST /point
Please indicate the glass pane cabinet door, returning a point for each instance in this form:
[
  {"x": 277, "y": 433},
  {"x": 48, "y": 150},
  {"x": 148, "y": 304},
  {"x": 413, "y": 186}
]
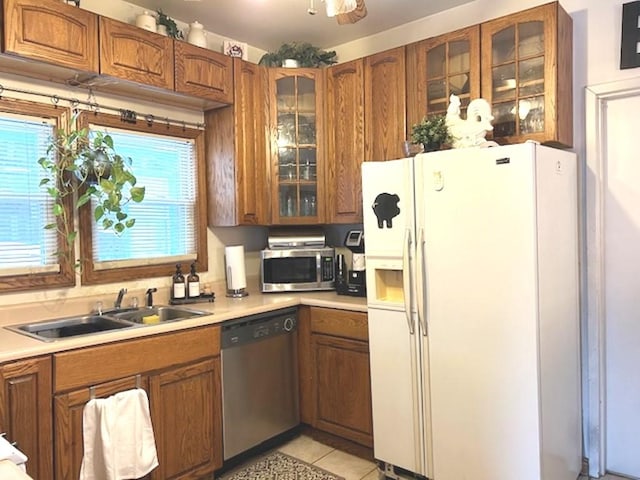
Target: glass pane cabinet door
[
  {"x": 517, "y": 79},
  {"x": 439, "y": 67},
  {"x": 528, "y": 79},
  {"x": 297, "y": 169},
  {"x": 448, "y": 72}
]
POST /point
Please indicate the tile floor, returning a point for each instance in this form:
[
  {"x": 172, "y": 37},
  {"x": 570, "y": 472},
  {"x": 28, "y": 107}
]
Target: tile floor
[
  {"x": 335, "y": 461},
  {"x": 343, "y": 464}
]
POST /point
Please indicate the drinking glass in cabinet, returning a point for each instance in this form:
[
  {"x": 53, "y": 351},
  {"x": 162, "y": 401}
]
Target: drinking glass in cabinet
[
  {"x": 308, "y": 170},
  {"x": 531, "y": 115},
  {"x": 309, "y": 207},
  {"x": 437, "y": 95},
  {"x": 288, "y": 201},
  {"x": 286, "y": 93},
  {"x": 287, "y": 164}
]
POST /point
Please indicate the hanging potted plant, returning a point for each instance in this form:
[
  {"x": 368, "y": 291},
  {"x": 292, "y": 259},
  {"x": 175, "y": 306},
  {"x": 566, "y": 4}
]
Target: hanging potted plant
[
  {"x": 432, "y": 132},
  {"x": 79, "y": 167}
]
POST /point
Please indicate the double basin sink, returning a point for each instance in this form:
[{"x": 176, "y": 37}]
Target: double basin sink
[{"x": 119, "y": 319}]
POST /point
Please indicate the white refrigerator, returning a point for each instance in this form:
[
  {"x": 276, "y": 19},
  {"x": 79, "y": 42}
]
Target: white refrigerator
[{"x": 472, "y": 294}]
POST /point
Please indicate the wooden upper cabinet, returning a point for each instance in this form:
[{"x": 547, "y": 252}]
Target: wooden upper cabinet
[
  {"x": 345, "y": 141},
  {"x": 296, "y": 121},
  {"x": 203, "y": 73},
  {"x": 385, "y": 105},
  {"x": 236, "y": 152},
  {"x": 51, "y": 31},
  {"x": 439, "y": 67},
  {"x": 527, "y": 75},
  {"x": 134, "y": 54},
  {"x": 25, "y": 412}
]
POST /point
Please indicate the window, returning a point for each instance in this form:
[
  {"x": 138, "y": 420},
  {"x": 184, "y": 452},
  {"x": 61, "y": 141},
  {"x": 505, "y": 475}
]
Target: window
[
  {"x": 27, "y": 250},
  {"x": 170, "y": 223}
]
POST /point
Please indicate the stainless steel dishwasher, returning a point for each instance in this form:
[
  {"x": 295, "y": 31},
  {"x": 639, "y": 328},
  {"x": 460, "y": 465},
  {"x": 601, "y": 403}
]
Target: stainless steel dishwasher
[{"x": 259, "y": 379}]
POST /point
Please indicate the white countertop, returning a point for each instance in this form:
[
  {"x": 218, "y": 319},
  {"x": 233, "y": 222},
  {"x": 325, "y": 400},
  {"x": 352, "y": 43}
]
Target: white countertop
[{"x": 14, "y": 346}]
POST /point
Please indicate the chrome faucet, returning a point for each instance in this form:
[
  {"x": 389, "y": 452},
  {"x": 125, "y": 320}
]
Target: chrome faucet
[{"x": 118, "y": 302}]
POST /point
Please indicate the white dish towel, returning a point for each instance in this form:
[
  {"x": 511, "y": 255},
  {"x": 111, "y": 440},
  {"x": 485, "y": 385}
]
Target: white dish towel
[{"x": 118, "y": 437}]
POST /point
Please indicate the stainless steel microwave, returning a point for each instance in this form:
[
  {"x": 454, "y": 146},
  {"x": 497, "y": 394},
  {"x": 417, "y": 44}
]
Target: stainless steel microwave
[{"x": 297, "y": 269}]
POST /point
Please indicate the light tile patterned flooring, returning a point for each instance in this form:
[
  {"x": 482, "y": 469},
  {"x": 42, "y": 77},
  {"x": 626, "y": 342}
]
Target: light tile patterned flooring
[
  {"x": 335, "y": 461},
  {"x": 343, "y": 464}
]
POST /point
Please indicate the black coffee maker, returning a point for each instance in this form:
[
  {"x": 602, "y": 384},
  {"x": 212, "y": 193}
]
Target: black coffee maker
[{"x": 352, "y": 281}]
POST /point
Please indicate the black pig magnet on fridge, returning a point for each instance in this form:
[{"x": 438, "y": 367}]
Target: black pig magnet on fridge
[{"x": 386, "y": 207}]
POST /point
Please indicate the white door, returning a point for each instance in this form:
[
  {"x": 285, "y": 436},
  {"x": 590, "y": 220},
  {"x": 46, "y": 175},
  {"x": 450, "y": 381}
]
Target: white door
[
  {"x": 621, "y": 181},
  {"x": 479, "y": 224}
]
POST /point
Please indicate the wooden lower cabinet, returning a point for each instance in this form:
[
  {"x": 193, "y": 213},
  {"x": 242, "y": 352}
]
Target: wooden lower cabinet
[
  {"x": 187, "y": 420},
  {"x": 180, "y": 372},
  {"x": 25, "y": 412},
  {"x": 335, "y": 381},
  {"x": 68, "y": 408}
]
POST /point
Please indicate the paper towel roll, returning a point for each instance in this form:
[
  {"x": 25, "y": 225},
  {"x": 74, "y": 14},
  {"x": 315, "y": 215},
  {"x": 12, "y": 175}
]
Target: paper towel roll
[{"x": 234, "y": 261}]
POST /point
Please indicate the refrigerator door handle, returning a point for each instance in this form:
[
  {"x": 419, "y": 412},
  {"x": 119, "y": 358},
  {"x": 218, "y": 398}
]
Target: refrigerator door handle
[
  {"x": 406, "y": 279},
  {"x": 422, "y": 281}
]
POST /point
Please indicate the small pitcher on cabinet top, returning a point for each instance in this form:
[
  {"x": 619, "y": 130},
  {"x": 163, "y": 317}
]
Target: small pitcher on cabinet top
[{"x": 197, "y": 35}]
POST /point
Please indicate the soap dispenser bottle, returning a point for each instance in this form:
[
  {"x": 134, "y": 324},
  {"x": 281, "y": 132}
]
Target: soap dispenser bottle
[
  {"x": 193, "y": 283},
  {"x": 178, "y": 290}
]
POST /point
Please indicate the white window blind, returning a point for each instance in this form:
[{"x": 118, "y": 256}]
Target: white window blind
[
  {"x": 166, "y": 225},
  {"x": 25, "y": 207}
]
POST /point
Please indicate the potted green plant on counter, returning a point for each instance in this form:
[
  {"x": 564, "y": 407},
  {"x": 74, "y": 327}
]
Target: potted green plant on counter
[
  {"x": 305, "y": 54},
  {"x": 81, "y": 166},
  {"x": 432, "y": 132}
]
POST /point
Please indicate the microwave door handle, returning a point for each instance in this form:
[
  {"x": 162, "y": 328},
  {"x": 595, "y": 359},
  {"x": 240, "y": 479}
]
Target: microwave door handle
[
  {"x": 406, "y": 279},
  {"x": 318, "y": 269}
]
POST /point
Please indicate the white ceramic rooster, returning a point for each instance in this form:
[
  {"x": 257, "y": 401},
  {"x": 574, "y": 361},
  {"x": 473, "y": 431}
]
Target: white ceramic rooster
[{"x": 469, "y": 132}]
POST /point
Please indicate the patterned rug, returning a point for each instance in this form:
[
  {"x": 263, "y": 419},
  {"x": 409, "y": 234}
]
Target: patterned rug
[{"x": 279, "y": 466}]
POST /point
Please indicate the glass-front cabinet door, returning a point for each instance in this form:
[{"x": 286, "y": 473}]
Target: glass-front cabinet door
[
  {"x": 527, "y": 75},
  {"x": 439, "y": 67},
  {"x": 296, "y": 147}
]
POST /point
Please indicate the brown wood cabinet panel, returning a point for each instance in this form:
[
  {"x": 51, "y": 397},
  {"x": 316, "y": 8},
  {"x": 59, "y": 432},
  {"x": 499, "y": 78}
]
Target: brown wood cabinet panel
[
  {"x": 236, "y": 152},
  {"x": 131, "y": 357},
  {"x": 25, "y": 412},
  {"x": 345, "y": 141},
  {"x": 134, "y": 54},
  {"x": 186, "y": 411},
  {"x": 340, "y": 323},
  {"x": 343, "y": 387},
  {"x": 51, "y": 31},
  {"x": 460, "y": 55},
  {"x": 305, "y": 370},
  {"x": 527, "y": 75},
  {"x": 68, "y": 409},
  {"x": 203, "y": 73},
  {"x": 385, "y": 105}
]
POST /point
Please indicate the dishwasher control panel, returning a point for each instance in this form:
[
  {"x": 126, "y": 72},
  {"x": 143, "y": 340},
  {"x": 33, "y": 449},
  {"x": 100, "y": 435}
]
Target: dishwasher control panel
[{"x": 257, "y": 327}]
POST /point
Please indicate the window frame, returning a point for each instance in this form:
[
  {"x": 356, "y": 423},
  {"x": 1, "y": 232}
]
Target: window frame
[
  {"x": 66, "y": 276},
  {"x": 93, "y": 276}
]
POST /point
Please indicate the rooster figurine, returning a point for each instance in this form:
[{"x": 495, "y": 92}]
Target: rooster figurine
[{"x": 469, "y": 132}]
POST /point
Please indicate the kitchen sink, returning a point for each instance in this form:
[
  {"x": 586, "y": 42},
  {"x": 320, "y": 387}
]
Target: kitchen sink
[
  {"x": 158, "y": 314},
  {"x": 51, "y": 330},
  {"x": 60, "y": 328}
]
